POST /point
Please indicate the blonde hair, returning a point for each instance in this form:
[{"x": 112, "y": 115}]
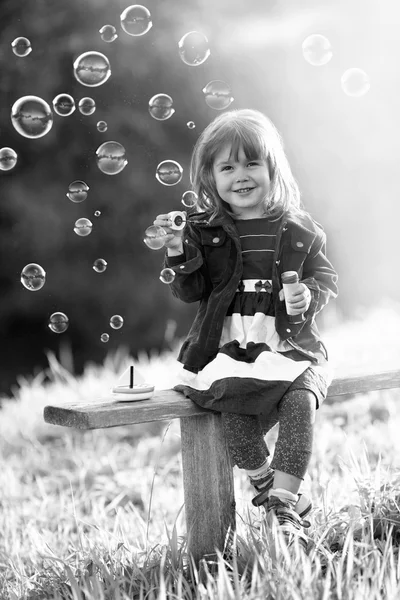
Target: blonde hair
[{"x": 259, "y": 138}]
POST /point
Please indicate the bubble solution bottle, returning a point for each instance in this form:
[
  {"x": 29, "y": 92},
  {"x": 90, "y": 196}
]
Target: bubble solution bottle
[{"x": 290, "y": 283}]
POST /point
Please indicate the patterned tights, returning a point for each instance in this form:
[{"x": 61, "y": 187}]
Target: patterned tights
[{"x": 296, "y": 415}]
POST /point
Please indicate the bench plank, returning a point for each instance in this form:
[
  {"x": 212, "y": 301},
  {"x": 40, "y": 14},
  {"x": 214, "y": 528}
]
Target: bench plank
[{"x": 169, "y": 404}]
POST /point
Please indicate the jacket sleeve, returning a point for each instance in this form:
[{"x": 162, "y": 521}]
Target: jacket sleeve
[
  {"x": 319, "y": 276},
  {"x": 189, "y": 284}
]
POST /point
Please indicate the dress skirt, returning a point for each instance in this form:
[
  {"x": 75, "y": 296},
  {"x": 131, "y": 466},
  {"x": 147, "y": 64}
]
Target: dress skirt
[{"x": 253, "y": 368}]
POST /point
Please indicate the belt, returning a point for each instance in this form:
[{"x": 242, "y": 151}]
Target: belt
[{"x": 255, "y": 285}]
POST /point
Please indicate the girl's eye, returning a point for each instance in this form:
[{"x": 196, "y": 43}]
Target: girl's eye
[
  {"x": 253, "y": 162},
  {"x": 226, "y": 167}
]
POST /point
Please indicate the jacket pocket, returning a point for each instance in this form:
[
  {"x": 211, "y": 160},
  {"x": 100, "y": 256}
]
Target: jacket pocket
[{"x": 216, "y": 253}]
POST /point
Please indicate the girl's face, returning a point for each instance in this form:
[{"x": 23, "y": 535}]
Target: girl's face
[{"x": 242, "y": 183}]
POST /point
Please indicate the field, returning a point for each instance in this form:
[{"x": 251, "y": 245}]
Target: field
[{"x": 99, "y": 515}]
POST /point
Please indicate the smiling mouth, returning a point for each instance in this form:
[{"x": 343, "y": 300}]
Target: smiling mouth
[{"x": 244, "y": 190}]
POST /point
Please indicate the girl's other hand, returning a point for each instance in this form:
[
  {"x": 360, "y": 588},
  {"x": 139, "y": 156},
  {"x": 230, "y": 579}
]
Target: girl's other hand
[
  {"x": 173, "y": 239},
  {"x": 300, "y": 300}
]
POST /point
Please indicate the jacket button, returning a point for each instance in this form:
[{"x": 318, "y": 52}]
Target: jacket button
[
  {"x": 288, "y": 330},
  {"x": 182, "y": 267},
  {"x": 186, "y": 241},
  {"x": 216, "y": 240},
  {"x": 277, "y": 262},
  {"x": 299, "y": 244}
]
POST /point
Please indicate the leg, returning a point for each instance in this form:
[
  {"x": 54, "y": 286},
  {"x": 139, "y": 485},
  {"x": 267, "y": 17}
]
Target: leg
[
  {"x": 294, "y": 444},
  {"x": 245, "y": 439}
]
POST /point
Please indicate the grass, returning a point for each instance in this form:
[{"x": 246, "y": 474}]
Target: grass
[{"x": 99, "y": 515}]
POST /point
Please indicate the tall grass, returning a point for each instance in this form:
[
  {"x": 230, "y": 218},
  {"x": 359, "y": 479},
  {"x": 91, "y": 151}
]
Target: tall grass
[{"x": 100, "y": 514}]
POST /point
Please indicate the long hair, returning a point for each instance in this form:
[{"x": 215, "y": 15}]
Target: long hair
[{"x": 259, "y": 138}]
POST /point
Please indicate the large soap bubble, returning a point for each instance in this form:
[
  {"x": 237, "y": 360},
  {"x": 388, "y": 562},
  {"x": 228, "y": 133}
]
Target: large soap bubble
[
  {"x": 154, "y": 237},
  {"x": 33, "y": 277},
  {"x": 169, "y": 172},
  {"x": 86, "y": 106},
  {"x": 317, "y": 50},
  {"x": 58, "y": 322},
  {"x": 194, "y": 48},
  {"x": 160, "y": 107},
  {"x": 136, "y": 20},
  {"x": 189, "y": 199},
  {"x": 8, "y": 159},
  {"x": 92, "y": 69},
  {"x": 111, "y": 158},
  {"x": 64, "y": 105},
  {"x": 167, "y": 275},
  {"x": 116, "y": 322},
  {"x": 21, "y": 46},
  {"x": 31, "y": 116},
  {"x": 355, "y": 82},
  {"x": 77, "y": 191},
  {"x": 217, "y": 94},
  {"x": 100, "y": 265}
]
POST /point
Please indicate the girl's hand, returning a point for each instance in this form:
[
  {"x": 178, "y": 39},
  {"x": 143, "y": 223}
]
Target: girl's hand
[
  {"x": 300, "y": 301},
  {"x": 173, "y": 239}
]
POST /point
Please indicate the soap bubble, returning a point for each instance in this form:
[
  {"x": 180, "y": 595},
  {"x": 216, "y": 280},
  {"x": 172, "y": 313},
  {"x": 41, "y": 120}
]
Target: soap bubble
[
  {"x": 218, "y": 94},
  {"x": 102, "y": 126},
  {"x": 97, "y": 213},
  {"x": 33, "y": 277},
  {"x": 136, "y": 20},
  {"x": 64, "y": 105},
  {"x": 77, "y": 191},
  {"x": 87, "y": 106},
  {"x": 31, "y": 117},
  {"x": 116, "y": 322},
  {"x": 108, "y": 33},
  {"x": 104, "y": 337},
  {"x": 160, "y": 107},
  {"x": 92, "y": 69},
  {"x": 100, "y": 265},
  {"x": 58, "y": 322},
  {"x": 317, "y": 50},
  {"x": 189, "y": 199},
  {"x": 167, "y": 275},
  {"x": 355, "y": 82},
  {"x": 169, "y": 172},
  {"x": 8, "y": 159},
  {"x": 193, "y": 48},
  {"x": 191, "y": 124},
  {"x": 83, "y": 227},
  {"x": 21, "y": 46},
  {"x": 155, "y": 237},
  {"x": 111, "y": 158}
]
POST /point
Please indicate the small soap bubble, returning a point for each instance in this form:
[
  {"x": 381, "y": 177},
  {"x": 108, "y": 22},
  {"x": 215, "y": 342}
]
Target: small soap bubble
[
  {"x": 217, "y": 94},
  {"x": 169, "y": 172},
  {"x": 189, "y": 199},
  {"x": 21, "y": 46},
  {"x": 100, "y": 265},
  {"x": 31, "y": 117},
  {"x": 97, "y": 213},
  {"x": 92, "y": 69},
  {"x": 8, "y": 159},
  {"x": 116, "y": 322},
  {"x": 33, "y": 277},
  {"x": 167, "y": 275},
  {"x": 355, "y": 82},
  {"x": 77, "y": 191},
  {"x": 111, "y": 158},
  {"x": 102, "y": 126},
  {"x": 58, "y": 322},
  {"x": 83, "y": 227},
  {"x": 87, "y": 106},
  {"x": 191, "y": 124},
  {"x": 194, "y": 48},
  {"x": 136, "y": 20},
  {"x": 104, "y": 337},
  {"x": 108, "y": 33},
  {"x": 155, "y": 237},
  {"x": 64, "y": 105},
  {"x": 160, "y": 107},
  {"x": 317, "y": 50}
]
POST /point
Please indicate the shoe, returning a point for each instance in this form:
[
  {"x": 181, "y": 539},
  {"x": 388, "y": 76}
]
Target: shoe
[
  {"x": 289, "y": 522},
  {"x": 303, "y": 505}
]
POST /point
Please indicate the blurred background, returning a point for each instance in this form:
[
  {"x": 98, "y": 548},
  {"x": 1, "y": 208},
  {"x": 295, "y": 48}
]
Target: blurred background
[{"x": 343, "y": 149}]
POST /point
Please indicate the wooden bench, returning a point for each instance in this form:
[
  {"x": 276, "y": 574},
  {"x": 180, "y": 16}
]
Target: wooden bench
[{"x": 207, "y": 471}]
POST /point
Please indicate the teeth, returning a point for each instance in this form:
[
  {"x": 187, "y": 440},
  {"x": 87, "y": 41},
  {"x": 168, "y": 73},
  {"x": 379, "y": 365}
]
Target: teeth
[{"x": 244, "y": 190}]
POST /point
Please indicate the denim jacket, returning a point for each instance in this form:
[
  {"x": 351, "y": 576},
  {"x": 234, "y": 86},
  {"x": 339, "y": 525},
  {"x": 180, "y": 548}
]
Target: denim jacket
[{"x": 210, "y": 270}]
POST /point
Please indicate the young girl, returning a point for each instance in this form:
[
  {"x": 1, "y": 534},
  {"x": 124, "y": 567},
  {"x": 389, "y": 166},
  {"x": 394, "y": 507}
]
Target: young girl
[{"x": 244, "y": 356}]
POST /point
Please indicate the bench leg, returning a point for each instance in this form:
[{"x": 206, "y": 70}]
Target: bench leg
[{"x": 208, "y": 484}]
